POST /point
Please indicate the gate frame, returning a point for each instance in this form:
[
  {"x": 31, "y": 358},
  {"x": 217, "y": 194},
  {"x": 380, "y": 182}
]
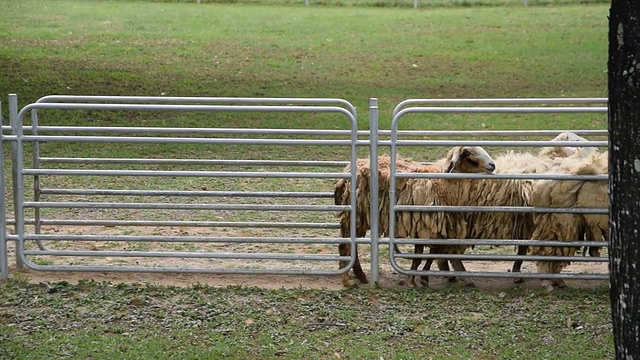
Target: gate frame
[
  {"x": 19, "y": 139},
  {"x": 400, "y": 110},
  {"x": 4, "y": 253},
  {"x": 403, "y": 108}
]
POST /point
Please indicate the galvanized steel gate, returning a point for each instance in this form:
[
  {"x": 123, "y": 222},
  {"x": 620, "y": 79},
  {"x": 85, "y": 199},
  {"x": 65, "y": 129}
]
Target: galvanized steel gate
[
  {"x": 94, "y": 205},
  {"x": 493, "y": 106},
  {"x": 40, "y": 235}
]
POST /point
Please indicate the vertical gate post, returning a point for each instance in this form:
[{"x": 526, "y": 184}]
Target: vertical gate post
[
  {"x": 373, "y": 187},
  {"x": 15, "y": 159},
  {"x": 4, "y": 261}
]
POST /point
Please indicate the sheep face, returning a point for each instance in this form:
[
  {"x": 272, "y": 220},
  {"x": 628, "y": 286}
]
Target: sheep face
[{"x": 469, "y": 159}]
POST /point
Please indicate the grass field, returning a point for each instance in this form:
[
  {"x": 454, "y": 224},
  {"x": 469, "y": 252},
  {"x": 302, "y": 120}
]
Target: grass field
[{"x": 344, "y": 49}]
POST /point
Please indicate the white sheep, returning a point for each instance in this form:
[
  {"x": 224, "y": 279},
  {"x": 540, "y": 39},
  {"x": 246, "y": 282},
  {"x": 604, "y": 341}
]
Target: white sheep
[
  {"x": 511, "y": 192},
  {"x": 545, "y": 162},
  {"x": 461, "y": 225},
  {"x": 570, "y": 227}
]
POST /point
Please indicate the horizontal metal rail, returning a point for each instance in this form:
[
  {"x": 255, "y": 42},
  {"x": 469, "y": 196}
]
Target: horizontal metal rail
[
  {"x": 503, "y": 275},
  {"x": 192, "y": 99},
  {"x": 190, "y": 108},
  {"x": 498, "y": 110},
  {"x": 185, "y": 173},
  {"x": 186, "y": 239},
  {"x": 512, "y": 143},
  {"x": 180, "y": 270},
  {"x": 189, "y": 255},
  {"x": 508, "y": 209},
  {"x": 495, "y": 242},
  {"x": 540, "y": 176},
  {"x": 312, "y": 132},
  {"x": 188, "y": 193},
  {"x": 491, "y": 257},
  {"x": 184, "y": 223},
  {"x": 11, "y": 237},
  {"x": 179, "y": 140},
  {"x": 174, "y": 206},
  {"x": 502, "y": 101},
  {"x": 54, "y": 160}
]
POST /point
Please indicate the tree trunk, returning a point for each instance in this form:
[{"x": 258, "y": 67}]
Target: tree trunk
[{"x": 624, "y": 175}]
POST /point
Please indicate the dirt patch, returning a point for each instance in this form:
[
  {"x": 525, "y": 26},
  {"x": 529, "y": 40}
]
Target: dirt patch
[
  {"x": 387, "y": 280},
  {"x": 388, "y": 277}
]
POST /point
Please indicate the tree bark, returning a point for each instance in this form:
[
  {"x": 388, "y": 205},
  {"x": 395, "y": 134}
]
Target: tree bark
[{"x": 624, "y": 175}]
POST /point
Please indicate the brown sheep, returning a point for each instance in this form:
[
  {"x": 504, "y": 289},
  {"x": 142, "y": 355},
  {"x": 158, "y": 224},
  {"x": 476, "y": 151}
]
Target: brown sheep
[
  {"x": 459, "y": 159},
  {"x": 460, "y": 225},
  {"x": 512, "y": 192}
]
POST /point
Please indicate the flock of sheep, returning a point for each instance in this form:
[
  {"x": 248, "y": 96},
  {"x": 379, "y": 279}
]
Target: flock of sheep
[{"x": 485, "y": 192}]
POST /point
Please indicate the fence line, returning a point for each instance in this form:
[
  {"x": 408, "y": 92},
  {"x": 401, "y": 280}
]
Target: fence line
[{"x": 85, "y": 198}]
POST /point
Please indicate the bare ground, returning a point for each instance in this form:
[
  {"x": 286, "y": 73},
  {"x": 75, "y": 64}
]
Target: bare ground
[{"x": 388, "y": 277}]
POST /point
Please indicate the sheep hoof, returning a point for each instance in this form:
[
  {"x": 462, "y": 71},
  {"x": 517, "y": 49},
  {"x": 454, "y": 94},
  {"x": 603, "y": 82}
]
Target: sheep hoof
[
  {"x": 552, "y": 286},
  {"x": 412, "y": 282},
  {"x": 348, "y": 282},
  {"x": 424, "y": 281},
  {"x": 468, "y": 283},
  {"x": 363, "y": 279}
]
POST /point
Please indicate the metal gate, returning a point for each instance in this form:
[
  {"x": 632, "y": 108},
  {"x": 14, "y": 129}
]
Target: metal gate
[
  {"x": 230, "y": 214},
  {"x": 491, "y": 106},
  {"x": 163, "y": 214}
]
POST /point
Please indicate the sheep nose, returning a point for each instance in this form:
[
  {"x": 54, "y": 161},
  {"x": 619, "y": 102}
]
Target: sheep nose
[{"x": 490, "y": 167}]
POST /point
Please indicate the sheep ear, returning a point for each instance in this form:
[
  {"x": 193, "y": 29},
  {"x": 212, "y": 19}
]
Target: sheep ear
[{"x": 453, "y": 162}]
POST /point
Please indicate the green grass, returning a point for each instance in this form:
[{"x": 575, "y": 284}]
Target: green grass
[
  {"x": 388, "y": 3},
  {"x": 181, "y": 49},
  {"x": 354, "y": 53},
  {"x": 143, "y": 48},
  {"x": 353, "y": 50},
  {"x": 132, "y": 321}
]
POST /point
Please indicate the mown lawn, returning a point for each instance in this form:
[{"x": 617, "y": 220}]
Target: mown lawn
[
  {"x": 132, "y": 321},
  {"x": 251, "y": 50}
]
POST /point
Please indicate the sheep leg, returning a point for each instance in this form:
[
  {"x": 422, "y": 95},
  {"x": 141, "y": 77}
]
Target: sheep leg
[
  {"x": 415, "y": 263},
  {"x": 424, "y": 280},
  {"x": 357, "y": 269},
  {"x": 443, "y": 265},
  {"x": 345, "y": 250},
  {"x": 459, "y": 266},
  {"x": 551, "y": 267},
  {"x": 517, "y": 265}
]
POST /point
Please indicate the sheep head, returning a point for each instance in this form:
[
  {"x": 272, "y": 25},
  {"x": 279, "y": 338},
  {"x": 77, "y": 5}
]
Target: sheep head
[
  {"x": 469, "y": 159},
  {"x": 567, "y": 151}
]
